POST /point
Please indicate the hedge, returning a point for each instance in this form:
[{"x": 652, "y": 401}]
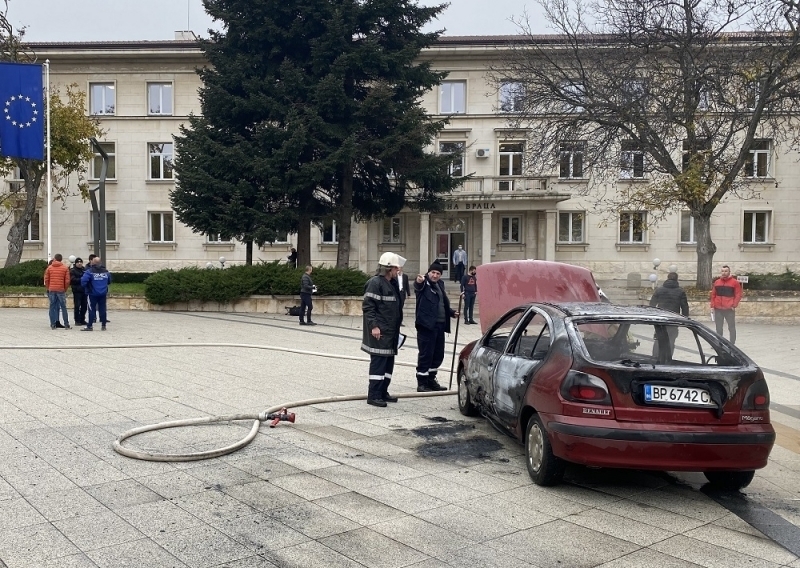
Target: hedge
[
  {"x": 31, "y": 273},
  {"x": 240, "y": 281},
  {"x": 787, "y": 280}
]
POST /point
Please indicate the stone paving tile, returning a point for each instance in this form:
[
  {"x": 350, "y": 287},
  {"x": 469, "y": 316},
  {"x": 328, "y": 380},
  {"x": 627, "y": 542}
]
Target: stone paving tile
[
  {"x": 709, "y": 555},
  {"x": 71, "y": 561},
  {"x": 219, "y": 474},
  {"x": 135, "y": 554},
  {"x": 173, "y": 484},
  {"x": 542, "y": 500},
  {"x": 373, "y": 549},
  {"x": 517, "y": 515},
  {"x": 745, "y": 544},
  {"x": 262, "y": 467},
  {"x": 359, "y": 508},
  {"x": 90, "y": 532},
  {"x": 211, "y": 505},
  {"x": 123, "y": 493},
  {"x": 653, "y": 516},
  {"x": 263, "y": 496},
  {"x": 310, "y": 554},
  {"x": 202, "y": 546},
  {"x": 701, "y": 509},
  {"x": 485, "y": 484},
  {"x": 646, "y": 558},
  {"x": 443, "y": 489},
  {"x": 32, "y": 546},
  {"x": 256, "y": 561},
  {"x": 553, "y": 545},
  {"x": 619, "y": 527},
  {"x": 313, "y": 520},
  {"x": 308, "y": 486},
  {"x": 423, "y": 536},
  {"x": 465, "y": 523},
  {"x": 66, "y": 504},
  {"x": 482, "y": 557},
  {"x": 42, "y": 480},
  {"x": 18, "y": 512},
  {"x": 384, "y": 468},
  {"x": 732, "y": 522},
  {"x": 349, "y": 477},
  {"x": 259, "y": 532},
  {"x": 402, "y": 498},
  {"x": 158, "y": 517}
]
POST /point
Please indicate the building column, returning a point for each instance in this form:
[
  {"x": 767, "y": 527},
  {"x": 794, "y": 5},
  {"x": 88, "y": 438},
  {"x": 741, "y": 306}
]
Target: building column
[
  {"x": 549, "y": 234},
  {"x": 531, "y": 237},
  {"x": 364, "y": 251},
  {"x": 424, "y": 242},
  {"x": 486, "y": 238}
]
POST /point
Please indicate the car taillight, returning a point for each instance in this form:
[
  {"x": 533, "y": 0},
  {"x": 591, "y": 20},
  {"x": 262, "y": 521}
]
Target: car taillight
[
  {"x": 583, "y": 387},
  {"x": 757, "y": 396}
]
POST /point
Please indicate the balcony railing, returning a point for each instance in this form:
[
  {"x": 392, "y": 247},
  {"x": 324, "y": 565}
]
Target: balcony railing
[{"x": 488, "y": 185}]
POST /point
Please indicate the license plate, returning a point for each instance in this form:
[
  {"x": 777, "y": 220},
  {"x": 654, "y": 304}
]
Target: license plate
[{"x": 683, "y": 396}]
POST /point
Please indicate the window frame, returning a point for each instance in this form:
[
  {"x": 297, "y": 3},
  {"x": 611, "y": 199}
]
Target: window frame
[
  {"x": 753, "y": 163},
  {"x": 576, "y": 90},
  {"x": 456, "y": 167},
  {"x": 515, "y": 163},
  {"x": 36, "y": 219},
  {"x": 162, "y": 226},
  {"x": 632, "y": 227},
  {"x": 684, "y": 214},
  {"x": 768, "y": 221},
  {"x": 452, "y": 96},
  {"x": 511, "y": 96},
  {"x": 630, "y": 154},
  {"x": 171, "y": 103},
  {"x": 217, "y": 239},
  {"x": 91, "y": 226},
  {"x": 391, "y": 226},
  {"x": 334, "y": 233},
  {"x": 510, "y": 240},
  {"x": 97, "y": 162},
  {"x": 567, "y": 151},
  {"x": 571, "y": 227},
  {"x": 151, "y": 155},
  {"x": 107, "y": 85}
]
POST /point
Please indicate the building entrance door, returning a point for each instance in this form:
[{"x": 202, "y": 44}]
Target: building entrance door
[{"x": 448, "y": 234}]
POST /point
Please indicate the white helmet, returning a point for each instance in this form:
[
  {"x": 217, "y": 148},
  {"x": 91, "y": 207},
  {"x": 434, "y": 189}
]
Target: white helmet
[{"x": 391, "y": 259}]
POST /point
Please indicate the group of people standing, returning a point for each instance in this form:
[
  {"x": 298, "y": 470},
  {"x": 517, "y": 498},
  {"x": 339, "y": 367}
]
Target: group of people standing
[
  {"x": 89, "y": 292},
  {"x": 382, "y": 307}
]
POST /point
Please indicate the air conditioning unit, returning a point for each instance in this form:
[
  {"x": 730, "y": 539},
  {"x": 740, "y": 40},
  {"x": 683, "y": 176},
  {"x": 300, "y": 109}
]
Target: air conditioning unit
[{"x": 483, "y": 152}]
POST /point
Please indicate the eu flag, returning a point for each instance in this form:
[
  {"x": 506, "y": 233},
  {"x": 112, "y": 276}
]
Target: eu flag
[{"x": 22, "y": 114}]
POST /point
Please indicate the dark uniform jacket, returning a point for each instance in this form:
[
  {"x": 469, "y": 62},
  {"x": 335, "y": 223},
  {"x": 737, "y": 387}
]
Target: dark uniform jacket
[
  {"x": 75, "y": 275},
  {"x": 670, "y": 296},
  {"x": 428, "y": 304},
  {"x": 381, "y": 309}
]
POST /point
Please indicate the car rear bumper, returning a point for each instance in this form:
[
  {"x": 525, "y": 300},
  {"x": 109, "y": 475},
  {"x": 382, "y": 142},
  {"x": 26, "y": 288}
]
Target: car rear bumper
[{"x": 604, "y": 443}]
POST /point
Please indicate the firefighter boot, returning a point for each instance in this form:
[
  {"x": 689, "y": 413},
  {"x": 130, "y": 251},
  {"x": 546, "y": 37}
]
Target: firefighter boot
[
  {"x": 385, "y": 391},
  {"x": 374, "y": 394},
  {"x": 434, "y": 385}
]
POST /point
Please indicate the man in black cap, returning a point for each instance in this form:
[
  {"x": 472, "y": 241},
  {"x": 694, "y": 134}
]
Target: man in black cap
[
  {"x": 78, "y": 295},
  {"x": 433, "y": 321}
]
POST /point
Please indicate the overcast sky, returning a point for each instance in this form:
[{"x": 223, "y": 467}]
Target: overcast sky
[{"x": 94, "y": 20}]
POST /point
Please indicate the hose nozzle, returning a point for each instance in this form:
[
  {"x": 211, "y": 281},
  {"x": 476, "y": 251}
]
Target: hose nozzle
[{"x": 281, "y": 415}]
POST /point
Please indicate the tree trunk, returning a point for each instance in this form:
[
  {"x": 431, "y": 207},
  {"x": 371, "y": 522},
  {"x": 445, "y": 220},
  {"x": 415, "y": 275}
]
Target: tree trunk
[
  {"x": 344, "y": 220},
  {"x": 705, "y": 251},
  {"x": 304, "y": 242},
  {"x": 248, "y": 254},
  {"x": 19, "y": 229}
]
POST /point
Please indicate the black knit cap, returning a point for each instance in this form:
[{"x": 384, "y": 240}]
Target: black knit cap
[
  {"x": 436, "y": 266},
  {"x": 79, "y": 259}
]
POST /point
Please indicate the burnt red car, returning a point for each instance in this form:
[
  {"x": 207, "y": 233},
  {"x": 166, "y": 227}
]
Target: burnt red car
[{"x": 605, "y": 385}]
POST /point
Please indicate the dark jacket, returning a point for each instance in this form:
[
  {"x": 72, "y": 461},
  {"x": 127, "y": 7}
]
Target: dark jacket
[
  {"x": 75, "y": 275},
  {"x": 405, "y": 292},
  {"x": 95, "y": 280},
  {"x": 381, "y": 309},
  {"x": 428, "y": 304},
  {"x": 306, "y": 284},
  {"x": 469, "y": 283},
  {"x": 670, "y": 296}
]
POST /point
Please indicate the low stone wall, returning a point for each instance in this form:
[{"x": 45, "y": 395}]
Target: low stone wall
[{"x": 752, "y": 309}]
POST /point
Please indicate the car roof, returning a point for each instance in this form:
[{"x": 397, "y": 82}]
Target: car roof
[{"x": 603, "y": 309}]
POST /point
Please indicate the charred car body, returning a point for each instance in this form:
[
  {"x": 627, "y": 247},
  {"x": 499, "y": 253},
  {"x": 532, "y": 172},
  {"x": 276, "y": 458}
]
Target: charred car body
[{"x": 618, "y": 386}]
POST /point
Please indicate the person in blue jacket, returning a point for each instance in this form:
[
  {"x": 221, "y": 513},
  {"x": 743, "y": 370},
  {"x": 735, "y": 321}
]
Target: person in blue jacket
[{"x": 95, "y": 283}]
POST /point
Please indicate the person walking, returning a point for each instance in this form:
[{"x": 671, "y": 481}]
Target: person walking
[
  {"x": 306, "y": 289},
  {"x": 382, "y": 315},
  {"x": 292, "y": 258},
  {"x": 469, "y": 290},
  {"x": 726, "y": 293},
  {"x": 459, "y": 263},
  {"x": 79, "y": 298},
  {"x": 670, "y": 296},
  {"x": 56, "y": 281},
  {"x": 432, "y": 322},
  {"x": 95, "y": 283}
]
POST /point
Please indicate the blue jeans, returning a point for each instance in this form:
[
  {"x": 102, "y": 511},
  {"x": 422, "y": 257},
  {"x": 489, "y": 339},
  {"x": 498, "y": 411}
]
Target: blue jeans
[
  {"x": 58, "y": 301},
  {"x": 97, "y": 303}
]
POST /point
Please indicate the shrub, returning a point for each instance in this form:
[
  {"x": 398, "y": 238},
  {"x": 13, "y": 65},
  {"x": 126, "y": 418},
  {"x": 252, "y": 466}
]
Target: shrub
[
  {"x": 130, "y": 277},
  {"x": 273, "y": 278},
  {"x": 787, "y": 280},
  {"x": 28, "y": 273}
]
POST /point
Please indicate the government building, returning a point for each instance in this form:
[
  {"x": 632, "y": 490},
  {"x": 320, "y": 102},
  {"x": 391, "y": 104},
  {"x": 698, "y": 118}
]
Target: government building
[{"x": 143, "y": 91}]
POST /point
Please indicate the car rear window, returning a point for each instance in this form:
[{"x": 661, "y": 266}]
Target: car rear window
[{"x": 652, "y": 343}]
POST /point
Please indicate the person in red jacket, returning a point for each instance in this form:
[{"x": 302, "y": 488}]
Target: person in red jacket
[
  {"x": 726, "y": 293},
  {"x": 56, "y": 280}
]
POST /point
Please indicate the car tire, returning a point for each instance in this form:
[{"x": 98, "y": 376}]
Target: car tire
[
  {"x": 543, "y": 466},
  {"x": 730, "y": 480},
  {"x": 465, "y": 405}
]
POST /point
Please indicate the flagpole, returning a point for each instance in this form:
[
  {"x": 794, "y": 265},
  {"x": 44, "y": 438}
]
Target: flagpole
[{"x": 49, "y": 177}]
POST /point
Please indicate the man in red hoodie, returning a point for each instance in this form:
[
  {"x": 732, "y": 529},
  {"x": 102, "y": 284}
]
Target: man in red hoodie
[
  {"x": 726, "y": 293},
  {"x": 56, "y": 280}
]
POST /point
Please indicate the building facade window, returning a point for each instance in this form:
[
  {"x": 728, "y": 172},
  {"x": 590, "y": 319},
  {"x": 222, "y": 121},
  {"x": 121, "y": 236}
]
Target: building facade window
[
  {"x": 570, "y": 163},
  {"x": 33, "y": 231},
  {"x": 282, "y": 238},
  {"x": 159, "y": 98},
  {"x": 632, "y": 227},
  {"x": 510, "y": 229},
  {"x": 329, "y": 234},
  {"x": 574, "y": 96},
  {"x": 757, "y": 164},
  {"x": 702, "y": 147},
  {"x": 109, "y": 148},
  {"x": 456, "y": 167},
  {"x": 161, "y": 156},
  {"x": 571, "y": 227},
  {"x": 217, "y": 238},
  {"x": 512, "y": 96},
  {"x": 756, "y": 227},
  {"x": 111, "y": 226},
  {"x": 687, "y": 228},
  {"x": 102, "y": 98},
  {"x": 511, "y": 154},
  {"x": 162, "y": 228},
  {"x": 392, "y": 230},
  {"x": 453, "y": 97},
  {"x": 632, "y": 161}
]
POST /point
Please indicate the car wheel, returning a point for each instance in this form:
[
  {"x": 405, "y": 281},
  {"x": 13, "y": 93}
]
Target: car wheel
[
  {"x": 730, "y": 480},
  {"x": 543, "y": 466},
  {"x": 465, "y": 405}
]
